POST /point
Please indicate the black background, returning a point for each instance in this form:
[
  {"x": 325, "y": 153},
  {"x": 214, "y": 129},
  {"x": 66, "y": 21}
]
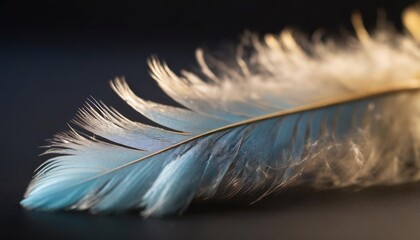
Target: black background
[{"x": 55, "y": 54}]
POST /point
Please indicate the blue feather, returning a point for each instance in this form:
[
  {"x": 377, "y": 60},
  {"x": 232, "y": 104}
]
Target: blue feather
[
  {"x": 240, "y": 132},
  {"x": 105, "y": 178}
]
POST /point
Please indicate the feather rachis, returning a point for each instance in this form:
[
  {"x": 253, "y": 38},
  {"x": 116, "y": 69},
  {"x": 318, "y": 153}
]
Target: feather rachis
[{"x": 249, "y": 129}]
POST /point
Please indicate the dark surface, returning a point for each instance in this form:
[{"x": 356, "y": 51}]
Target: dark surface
[{"x": 55, "y": 55}]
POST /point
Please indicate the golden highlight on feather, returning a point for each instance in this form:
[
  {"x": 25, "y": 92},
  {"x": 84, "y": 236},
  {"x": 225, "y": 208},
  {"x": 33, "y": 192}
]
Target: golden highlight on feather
[
  {"x": 359, "y": 27},
  {"x": 411, "y": 19}
]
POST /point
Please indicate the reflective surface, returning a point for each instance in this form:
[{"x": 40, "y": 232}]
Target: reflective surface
[{"x": 45, "y": 78}]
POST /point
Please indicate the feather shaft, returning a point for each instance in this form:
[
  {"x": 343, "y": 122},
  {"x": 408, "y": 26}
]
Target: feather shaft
[{"x": 407, "y": 86}]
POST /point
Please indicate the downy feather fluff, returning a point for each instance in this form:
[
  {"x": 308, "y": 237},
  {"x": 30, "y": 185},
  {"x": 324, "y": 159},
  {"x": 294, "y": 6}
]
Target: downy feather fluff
[{"x": 287, "y": 111}]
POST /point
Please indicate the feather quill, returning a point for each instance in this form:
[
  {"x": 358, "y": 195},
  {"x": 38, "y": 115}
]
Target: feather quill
[{"x": 286, "y": 112}]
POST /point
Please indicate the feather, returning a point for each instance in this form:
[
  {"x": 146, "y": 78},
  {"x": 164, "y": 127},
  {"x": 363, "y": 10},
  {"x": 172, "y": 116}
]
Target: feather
[{"x": 286, "y": 112}]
